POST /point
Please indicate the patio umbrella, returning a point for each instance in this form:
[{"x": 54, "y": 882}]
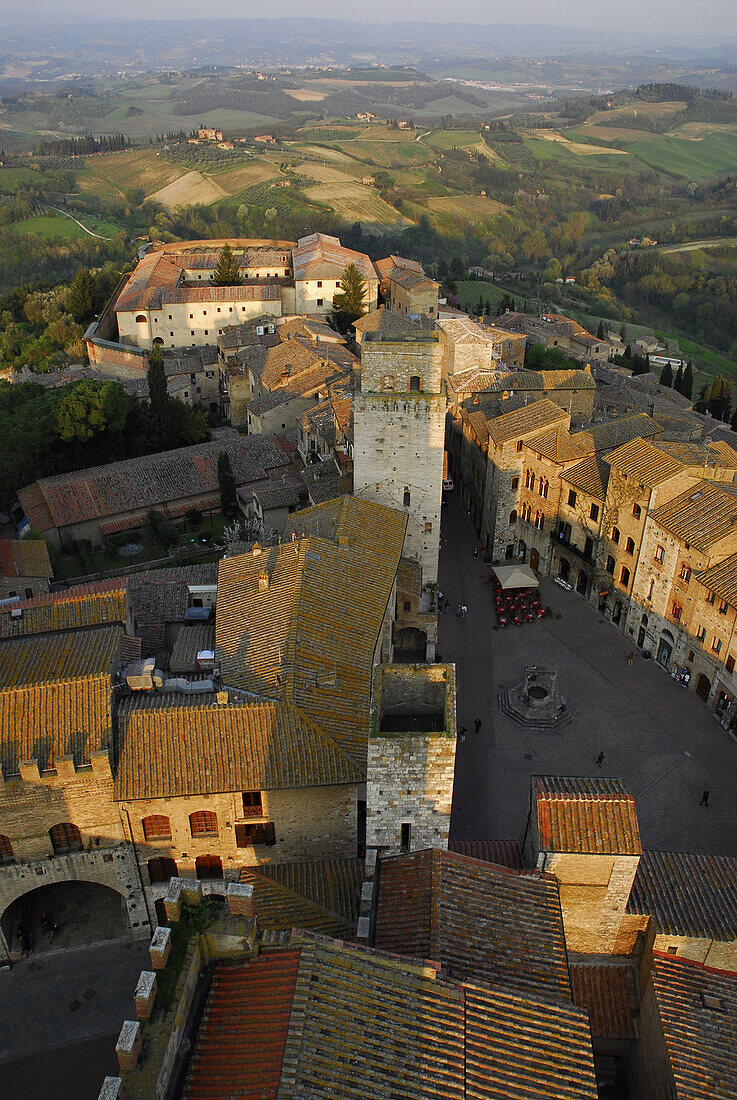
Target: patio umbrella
[{"x": 516, "y": 576}]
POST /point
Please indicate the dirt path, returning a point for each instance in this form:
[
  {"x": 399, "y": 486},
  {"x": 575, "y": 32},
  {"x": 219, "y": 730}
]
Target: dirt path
[{"x": 66, "y": 215}]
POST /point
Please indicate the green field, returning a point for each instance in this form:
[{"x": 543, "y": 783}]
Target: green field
[
  {"x": 469, "y": 291},
  {"x": 46, "y": 225},
  {"x": 696, "y": 160},
  {"x": 15, "y": 179}
]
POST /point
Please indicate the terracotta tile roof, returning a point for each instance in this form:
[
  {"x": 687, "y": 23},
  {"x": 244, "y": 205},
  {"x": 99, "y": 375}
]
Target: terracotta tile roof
[
  {"x": 198, "y": 746},
  {"x": 385, "y": 320},
  {"x": 722, "y": 579},
  {"x": 151, "y": 275},
  {"x": 608, "y": 992},
  {"x": 24, "y": 558},
  {"x": 44, "y": 721},
  {"x": 689, "y": 454},
  {"x": 283, "y": 365},
  {"x": 590, "y": 476},
  {"x": 701, "y": 516},
  {"x": 310, "y": 327},
  {"x": 191, "y": 639},
  {"x": 724, "y": 454},
  {"x": 615, "y": 433},
  {"x": 546, "y": 380},
  {"x": 411, "y": 279},
  {"x": 153, "y": 480},
  {"x": 79, "y": 606},
  {"x": 309, "y": 637},
  {"x": 483, "y": 923},
  {"x": 35, "y": 507},
  {"x": 558, "y": 445},
  {"x": 62, "y": 656},
  {"x": 280, "y": 907},
  {"x": 322, "y": 481},
  {"x": 248, "y": 1011},
  {"x": 644, "y": 463},
  {"x": 277, "y": 495},
  {"x": 585, "y": 815},
  {"x": 246, "y": 292},
  {"x": 386, "y": 266},
  {"x": 531, "y": 418},
  {"x": 700, "y": 1040},
  {"x": 320, "y": 256},
  {"x": 504, "y": 853},
  {"x": 364, "y": 1025},
  {"x": 55, "y": 696},
  {"x": 335, "y": 884},
  {"x": 687, "y": 894}
]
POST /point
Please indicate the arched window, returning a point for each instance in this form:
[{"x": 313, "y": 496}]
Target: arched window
[
  {"x": 203, "y": 823},
  {"x": 159, "y": 340},
  {"x": 406, "y": 498},
  {"x": 156, "y": 827},
  {"x": 685, "y": 572},
  {"x": 141, "y": 319},
  {"x": 65, "y": 837},
  {"x": 676, "y": 612},
  {"x": 414, "y": 382},
  {"x": 6, "y": 849},
  {"x": 615, "y": 534},
  {"x": 513, "y": 516}
]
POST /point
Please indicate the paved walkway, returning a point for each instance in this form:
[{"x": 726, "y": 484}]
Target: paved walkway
[
  {"x": 654, "y": 734},
  {"x": 55, "y": 1000}
]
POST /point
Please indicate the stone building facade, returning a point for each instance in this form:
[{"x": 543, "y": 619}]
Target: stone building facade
[
  {"x": 399, "y": 434},
  {"x": 411, "y": 758}
]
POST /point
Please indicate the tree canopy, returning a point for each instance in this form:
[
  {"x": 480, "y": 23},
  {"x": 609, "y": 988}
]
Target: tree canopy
[
  {"x": 227, "y": 271},
  {"x": 349, "y": 298},
  {"x": 226, "y": 482}
]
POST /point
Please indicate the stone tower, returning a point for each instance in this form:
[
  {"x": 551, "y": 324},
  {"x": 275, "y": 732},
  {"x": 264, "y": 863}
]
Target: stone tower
[
  {"x": 411, "y": 757},
  {"x": 399, "y": 436}
]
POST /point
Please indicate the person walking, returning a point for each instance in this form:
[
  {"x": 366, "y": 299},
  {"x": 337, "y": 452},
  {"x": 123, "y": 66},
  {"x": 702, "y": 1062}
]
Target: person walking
[
  {"x": 704, "y": 799},
  {"x": 462, "y": 734},
  {"x": 464, "y": 610},
  {"x": 477, "y": 724},
  {"x": 600, "y": 759},
  {"x": 459, "y": 611},
  {"x": 631, "y": 659}
]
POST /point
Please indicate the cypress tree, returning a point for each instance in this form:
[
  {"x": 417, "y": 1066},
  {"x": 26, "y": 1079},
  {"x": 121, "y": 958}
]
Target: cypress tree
[
  {"x": 666, "y": 375},
  {"x": 678, "y": 383},
  {"x": 227, "y": 271},
  {"x": 600, "y": 331},
  {"x": 227, "y": 486},
  {"x": 157, "y": 391},
  {"x": 81, "y": 296},
  {"x": 687, "y": 389}
]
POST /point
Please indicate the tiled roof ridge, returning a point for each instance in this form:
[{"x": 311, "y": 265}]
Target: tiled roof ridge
[
  {"x": 75, "y": 592},
  {"x": 695, "y": 964},
  {"x": 324, "y": 735}
]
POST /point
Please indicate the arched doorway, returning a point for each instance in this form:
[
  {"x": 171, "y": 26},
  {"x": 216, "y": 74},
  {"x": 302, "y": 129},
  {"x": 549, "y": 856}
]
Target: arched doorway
[
  {"x": 703, "y": 687},
  {"x": 564, "y": 569},
  {"x": 534, "y": 559},
  {"x": 509, "y": 552},
  {"x": 522, "y": 550},
  {"x": 85, "y": 912},
  {"x": 582, "y": 583},
  {"x": 665, "y": 649},
  {"x": 410, "y": 645},
  {"x": 617, "y": 613}
]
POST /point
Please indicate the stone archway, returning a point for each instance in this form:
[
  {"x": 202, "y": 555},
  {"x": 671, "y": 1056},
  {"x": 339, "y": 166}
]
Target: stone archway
[
  {"x": 84, "y": 913},
  {"x": 703, "y": 687},
  {"x": 410, "y": 646},
  {"x": 534, "y": 559},
  {"x": 114, "y": 868}
]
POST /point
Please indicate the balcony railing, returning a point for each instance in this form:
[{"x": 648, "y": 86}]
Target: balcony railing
[{"x": 584, "y": 555}]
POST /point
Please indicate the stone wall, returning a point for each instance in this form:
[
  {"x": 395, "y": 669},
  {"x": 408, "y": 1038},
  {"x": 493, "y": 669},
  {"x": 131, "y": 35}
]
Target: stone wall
[
  {"x": 400, "y": 439},
  {"x": 594, "y": 890},
  {"x": 651, "y": 1074},
  {"x": 410, "y": 775}
]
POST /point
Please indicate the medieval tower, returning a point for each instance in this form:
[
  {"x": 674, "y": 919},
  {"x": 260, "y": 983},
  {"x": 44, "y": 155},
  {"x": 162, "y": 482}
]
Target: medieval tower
[{"x": 399, "y": 430}]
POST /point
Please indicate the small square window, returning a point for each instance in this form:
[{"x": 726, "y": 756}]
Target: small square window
[
  {"x": 407, "y": 605},
  {"x": 515, "y": 483},
  {"x": 594, "y": 512},
  {"x": 572, "y": 498},
  {"x": 519, "y": 444},
  {"x": 319, "y": 282},
  {"x": 716, "y": 645},
  {"x": 730, "y": 663},
  {"x": 636, "y": 511},
  {"x": 659, "y": 553},
  {"x": 319, "y": 301}
]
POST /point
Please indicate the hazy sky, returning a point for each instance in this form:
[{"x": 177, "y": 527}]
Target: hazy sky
[{"x": 708, "y": 18}]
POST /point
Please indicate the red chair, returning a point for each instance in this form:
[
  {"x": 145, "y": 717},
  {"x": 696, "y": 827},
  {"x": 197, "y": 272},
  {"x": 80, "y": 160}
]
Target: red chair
[
  {"x": 529, "y": 617},
  {"x": 541, "y": 612}
]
